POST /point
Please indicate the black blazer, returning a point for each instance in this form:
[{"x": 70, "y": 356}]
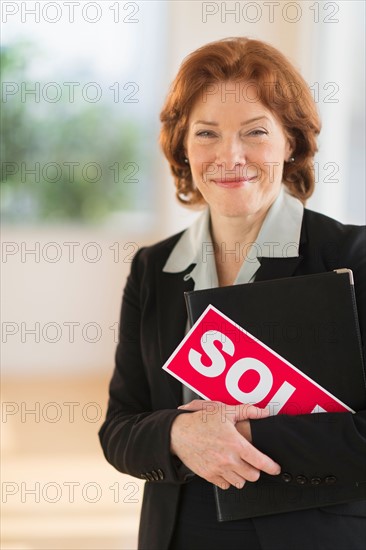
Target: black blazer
[{"x": 135, "y": 436}]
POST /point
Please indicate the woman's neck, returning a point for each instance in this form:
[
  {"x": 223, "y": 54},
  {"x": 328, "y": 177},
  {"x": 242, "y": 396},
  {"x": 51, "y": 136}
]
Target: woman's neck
[
  {"x": 232, "y": 238},
  {"x": 228, "y": 233}
]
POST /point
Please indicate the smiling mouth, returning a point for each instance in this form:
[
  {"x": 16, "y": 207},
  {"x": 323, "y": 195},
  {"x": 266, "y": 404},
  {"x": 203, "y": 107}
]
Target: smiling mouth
[{"x": 236, "y": 182}]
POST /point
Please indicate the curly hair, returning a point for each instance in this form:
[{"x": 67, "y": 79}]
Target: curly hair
[{"x": 280, "y": 88}]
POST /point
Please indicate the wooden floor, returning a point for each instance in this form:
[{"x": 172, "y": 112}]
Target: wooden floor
[{"x": 58, "y": 491}]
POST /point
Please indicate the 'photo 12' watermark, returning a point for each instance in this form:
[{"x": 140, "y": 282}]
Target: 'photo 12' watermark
[
  {"x": 71, "y": 492},
  {"x": 51, "y": 412},
  {"x": 69, "y": 92},
  {"x": 53, "y": 332},
  {"x": 71, "y": 252},
  {"x": 270, "y": 92},
  {"x": 71, "y": 171},
  {"x": 70, "y": 12},
  {"x": 269, "y": 12}
]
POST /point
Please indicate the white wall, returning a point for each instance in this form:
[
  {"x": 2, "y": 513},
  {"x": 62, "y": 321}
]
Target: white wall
[{"x": 60, "y": 304}]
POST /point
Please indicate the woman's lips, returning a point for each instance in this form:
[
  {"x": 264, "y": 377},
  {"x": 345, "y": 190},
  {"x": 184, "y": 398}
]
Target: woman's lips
[{"x": 237, "y": 182}]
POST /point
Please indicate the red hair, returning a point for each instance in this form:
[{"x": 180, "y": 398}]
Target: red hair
[{"x": 279, "y": 87}]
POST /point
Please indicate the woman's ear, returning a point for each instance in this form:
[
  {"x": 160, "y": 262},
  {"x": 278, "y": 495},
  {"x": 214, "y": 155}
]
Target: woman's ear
[
  {"x": 290, "y": 147},
  {"x": 185, "y": 146}
]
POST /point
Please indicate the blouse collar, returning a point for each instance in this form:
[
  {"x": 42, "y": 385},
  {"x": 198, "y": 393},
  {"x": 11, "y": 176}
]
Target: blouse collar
[{"x": 279, "y": 237}]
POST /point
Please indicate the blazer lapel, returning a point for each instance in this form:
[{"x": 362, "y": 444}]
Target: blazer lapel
[
  {"x": 276, "y": 268},
  {"x": 172, "y": 318}
]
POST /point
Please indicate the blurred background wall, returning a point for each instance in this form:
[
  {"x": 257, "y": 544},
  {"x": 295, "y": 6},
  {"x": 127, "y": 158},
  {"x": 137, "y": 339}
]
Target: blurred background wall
[{"x": 83, "y": 186}]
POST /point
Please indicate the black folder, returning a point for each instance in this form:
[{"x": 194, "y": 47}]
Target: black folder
[{"x": 312, "y": 322}]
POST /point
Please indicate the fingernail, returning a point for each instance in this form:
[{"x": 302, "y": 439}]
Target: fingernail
[{"x": 182, "y": 406}]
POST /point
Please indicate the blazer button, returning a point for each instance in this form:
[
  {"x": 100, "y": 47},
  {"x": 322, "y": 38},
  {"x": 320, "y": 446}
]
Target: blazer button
[
  {"x": 330, "y": 480},
  {"x": 315, "y": 481},
  {"x": 286, "y": 477},
  {"x": 161, "y": 474},
  {"x": 155, "y": 475},
  {"x": 301, "y": 480},
  {"x": 150, "y": 477}
]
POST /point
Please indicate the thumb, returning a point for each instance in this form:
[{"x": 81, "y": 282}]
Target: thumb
[
  {"x": 246, "y": 411},
  {"x": 195, "y": 405}
]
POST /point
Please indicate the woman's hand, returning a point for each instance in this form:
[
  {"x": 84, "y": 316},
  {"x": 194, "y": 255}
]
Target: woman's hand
[{"x": 208, "y": 442}]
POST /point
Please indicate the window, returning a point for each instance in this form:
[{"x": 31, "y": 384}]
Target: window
[{"x": 81, "y": 98}]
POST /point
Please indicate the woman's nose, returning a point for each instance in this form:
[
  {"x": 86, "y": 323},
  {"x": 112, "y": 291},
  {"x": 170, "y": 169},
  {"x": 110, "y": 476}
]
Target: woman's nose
[{"x": 230, "y": 153}]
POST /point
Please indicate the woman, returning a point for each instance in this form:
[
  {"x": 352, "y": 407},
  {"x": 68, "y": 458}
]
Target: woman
[{"x": 239, "y": 130}]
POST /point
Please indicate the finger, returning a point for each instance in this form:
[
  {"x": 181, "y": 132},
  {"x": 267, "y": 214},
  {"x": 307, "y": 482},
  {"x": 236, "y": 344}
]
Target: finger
[
  {"x": 254, "y": 412},
  {"x": 192, "y": 405},
  {"x": 220, "y": 482},
  {"x": 246, "y": 411},
  {"x": 247, "y": 472},
  {"x": 234, "y": 479},
  {"x": 259, "y": 460},
  {"x": 201, "y": 404},
  {"x": 226, "y": 481}
]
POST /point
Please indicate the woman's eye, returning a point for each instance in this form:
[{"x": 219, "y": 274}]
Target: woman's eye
[
  {"x": 258, "y": 133},
  {"x": 205, "y": 133},
  {"x": 210, "y": 134}
]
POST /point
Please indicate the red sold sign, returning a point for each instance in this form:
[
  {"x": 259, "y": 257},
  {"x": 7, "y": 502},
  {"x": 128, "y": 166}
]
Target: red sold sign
[{"x": 232, "y": 366}]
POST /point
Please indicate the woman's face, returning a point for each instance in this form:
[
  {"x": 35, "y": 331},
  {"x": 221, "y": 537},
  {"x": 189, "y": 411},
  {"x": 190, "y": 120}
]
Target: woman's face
[{"x": 236, "y": 150}]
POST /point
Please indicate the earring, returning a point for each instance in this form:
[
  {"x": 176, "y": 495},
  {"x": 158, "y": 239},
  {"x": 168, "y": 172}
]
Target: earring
[
  {"x": 186, "y": 160},
  {"x": 291, "y": 159}
]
